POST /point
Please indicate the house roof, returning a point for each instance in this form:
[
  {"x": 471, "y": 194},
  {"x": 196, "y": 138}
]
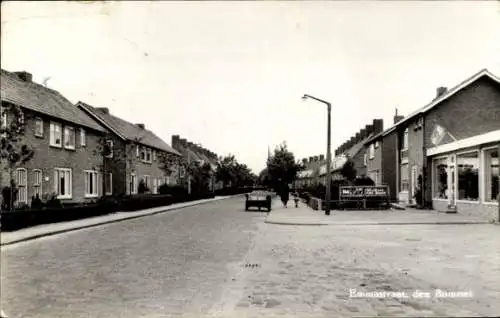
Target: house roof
[
  {"x": 445, "y": 96},
  {"x": 43, "y": 100},
  {"x": 127, "y": 130}
]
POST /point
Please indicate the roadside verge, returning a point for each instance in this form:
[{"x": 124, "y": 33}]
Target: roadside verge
[{"x": 9, "y": 238}]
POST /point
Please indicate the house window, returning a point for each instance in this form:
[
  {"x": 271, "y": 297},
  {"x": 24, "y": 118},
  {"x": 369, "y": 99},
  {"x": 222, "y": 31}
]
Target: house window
[
  {"x": 372, "y": 151},
  {"x": 133, "y": 183},
  {"x": 440, "y": 178},
  {"x": 62, "y": 183},
  {"x": 37, "y": 183},
  {"x": 143, "y": 153},
  {"x": 109, "y": 184},
  {"x": 147, "y": 181},
  {"x": 83, "y": 138},
  {"x": 91, "y": 184},
  {"x": 137, "y": 151},
  {"x": 404, "y": 177},
  {"x": 365, "y": 159},
  {"x": 167, "y": 180},
  {"x": 55, "y": 135},
  {"x": 468, "y": 176},
  {"x": 155, "y": 185},
  {"x": 182, "y": 172},
  {"x": 109, "y": 145},
  {"x": 377, "y": 144},
  {"x": 154, "y": 155},
  {"x": 405, "y": 139},
  {"x": 38, "y": 127},
  {"x": 148, "y": 155},
  {"x": 491, "y": 175},
  {"x": 69, "y": 138},
  {"x": 3, "y": 112},
  {"x": 22, "y": 180}
]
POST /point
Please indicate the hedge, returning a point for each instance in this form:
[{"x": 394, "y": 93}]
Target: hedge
[{"x": 15, "y": 220}]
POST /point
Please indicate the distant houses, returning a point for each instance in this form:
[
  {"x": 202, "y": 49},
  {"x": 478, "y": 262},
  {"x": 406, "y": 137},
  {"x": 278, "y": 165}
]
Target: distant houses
[
  {"x": 83, "y": 152},
  {"x": 442, "y": 156}
]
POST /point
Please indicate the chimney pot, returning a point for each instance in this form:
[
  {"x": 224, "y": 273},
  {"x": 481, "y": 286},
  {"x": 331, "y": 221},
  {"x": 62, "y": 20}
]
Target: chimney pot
[
  {"x": 104, "y": 110},
  {"x": 141, "y": 126},
  {"x": 321, "y": 157},
  {"x": 24, "y": 76},
  {"x": 440, "y": 91},
  {"x": 397, "y": 118}
]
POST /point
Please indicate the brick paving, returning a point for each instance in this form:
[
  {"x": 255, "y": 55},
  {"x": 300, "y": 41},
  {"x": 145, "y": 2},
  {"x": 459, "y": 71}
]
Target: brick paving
[{"x": 308, "y": 271}]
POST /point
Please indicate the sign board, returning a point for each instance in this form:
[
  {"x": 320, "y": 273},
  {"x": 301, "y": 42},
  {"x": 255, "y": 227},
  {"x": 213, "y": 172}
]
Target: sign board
[{"x": 360, "y": 192}]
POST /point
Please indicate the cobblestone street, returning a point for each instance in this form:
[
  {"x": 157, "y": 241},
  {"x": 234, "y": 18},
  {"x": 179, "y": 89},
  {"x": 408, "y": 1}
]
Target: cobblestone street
[{"x": 309, "y": 271}]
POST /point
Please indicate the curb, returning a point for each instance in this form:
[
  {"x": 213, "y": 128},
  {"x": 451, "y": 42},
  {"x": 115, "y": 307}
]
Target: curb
[
  {"x": 125, "y": 218},
  {"x": 376, "y": 223}
]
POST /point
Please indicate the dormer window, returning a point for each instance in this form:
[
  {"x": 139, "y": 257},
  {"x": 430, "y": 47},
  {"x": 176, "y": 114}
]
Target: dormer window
[{"x": 55, "y": 135}]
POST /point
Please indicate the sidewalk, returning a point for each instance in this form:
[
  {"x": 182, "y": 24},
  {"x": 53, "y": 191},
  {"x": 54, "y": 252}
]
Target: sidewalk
[
  {"x": 304, "y": 215},
  {"x": 8, "y": 238}
]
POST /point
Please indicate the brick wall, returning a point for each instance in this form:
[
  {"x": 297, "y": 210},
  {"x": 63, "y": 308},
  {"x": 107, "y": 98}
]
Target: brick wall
[
  {"x": 47, "y": 158},
  {"x": 473, "y": 111},
  {"x": 374, "y": 165},
  {"x": 390, "y": 162}
]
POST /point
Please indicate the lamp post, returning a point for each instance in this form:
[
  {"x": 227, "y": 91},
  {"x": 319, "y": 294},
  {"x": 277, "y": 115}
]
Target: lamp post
[{"x": 328, "y": 153}]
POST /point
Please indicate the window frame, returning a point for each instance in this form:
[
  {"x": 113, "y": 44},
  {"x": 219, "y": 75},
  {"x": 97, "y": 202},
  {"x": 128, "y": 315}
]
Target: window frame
[
  {"x": 38, "y": 120},
  {"x": 68, "y": 182},
  {"x": 95, "y": 186},
  {"x": 407, "y": 164},
  {"x": 110, "y": 144},
  {"x": 482, "y": 173},
  {"x": 434, "y": 176},
  {"x": 147, "y": 181},
  {"x": 155, "y": 186},
  {"x": 405, "y": 144},
  {"x": 69, "y": 129},
  {"x": 23, "y": 185},
  {"x": 52, "y": 137},
  {"x": 133, "y": 183},
  {"x": 372, "y": 151},
  {"x": 39, "y": 185},
  {"x": 457, "y": 176},
  {"x": 83, "y": 138}
]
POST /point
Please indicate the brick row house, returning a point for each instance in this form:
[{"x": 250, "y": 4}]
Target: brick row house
[
  {"x": 192, "y": 152},
  {"x": 65, "y": 141},
  {"x": 136, "y": 154},
  {"x": 353, "y": 149},
  {"x": 445, "y": 154}
]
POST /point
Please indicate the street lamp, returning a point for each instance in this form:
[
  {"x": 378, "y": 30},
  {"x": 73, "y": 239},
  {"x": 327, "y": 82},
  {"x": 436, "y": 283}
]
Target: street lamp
[{"x": 328, "y": 152}]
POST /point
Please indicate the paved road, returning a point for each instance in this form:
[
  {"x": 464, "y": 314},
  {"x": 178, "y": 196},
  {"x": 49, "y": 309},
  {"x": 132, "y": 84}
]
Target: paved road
[{"x": 158, "y": 266}]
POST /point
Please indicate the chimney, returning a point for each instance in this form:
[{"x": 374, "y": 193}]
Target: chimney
[
  {"x": 321, "y": 157},
  {"x": 363, "y": 133},
  {"x": 316, "y": 158},
  {"x": 24, "y": 76},
  {"x": 311, "y": 159},
  {"x": 357, "y": 138},
  {"x": 397, "y": 118},
  {"x": 140, "y": 126},
  {"x": 440, "y": 91},
  {"x": 378, "y": 125},
  {"x": 304, "y": 161},
  {"x": 183, "y": 142},
  {"x": 103, "y": 110},
  {"x": 175, "y": 141}
]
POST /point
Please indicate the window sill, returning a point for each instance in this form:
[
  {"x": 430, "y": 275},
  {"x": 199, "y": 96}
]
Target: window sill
[
  {"x": 64, "y": 197},
  {"x": 468, "y": 201},
  {"x": 56, "y": 146},
  {"x": 440, "y": 199},
  {"x": 490, "y": 202},
  {"x": 91, "y": 195},
  {"x": 69, "y": 148},
  {"x": 109, "y": 193},
  {"x": 39, "y": 136}
]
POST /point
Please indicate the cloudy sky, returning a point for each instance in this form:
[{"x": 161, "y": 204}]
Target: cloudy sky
[{"x": 229, "y": 75}]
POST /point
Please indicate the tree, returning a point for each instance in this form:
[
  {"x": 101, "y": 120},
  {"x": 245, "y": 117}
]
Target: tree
[
  {"x": 282, "y": 167},
  {"x": 103, "y": 150},
  {"x": 14, "y": 153},
  {"x": 348, "y": 170},
  {"x": 200, "y": 175},
  {"x": 168, "y": 162}
]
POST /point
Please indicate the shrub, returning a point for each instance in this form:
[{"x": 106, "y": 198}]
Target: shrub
[{"x": 6, "y": 195}]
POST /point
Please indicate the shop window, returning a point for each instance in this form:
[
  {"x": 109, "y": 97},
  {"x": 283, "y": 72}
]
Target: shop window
[
  {"x": 441, "y": 178},
  {"x": 468, "y": 176},
  {"x": 491, "y": 175}
]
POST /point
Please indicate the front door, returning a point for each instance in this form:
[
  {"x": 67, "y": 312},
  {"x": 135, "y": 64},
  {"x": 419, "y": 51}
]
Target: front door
[{"x": 414, "y": 177}]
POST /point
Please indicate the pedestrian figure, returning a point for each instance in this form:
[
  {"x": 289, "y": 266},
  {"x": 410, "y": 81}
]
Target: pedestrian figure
[
  {"x": 296, "y": 199},
  {"x": 285, "y": 192}
]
